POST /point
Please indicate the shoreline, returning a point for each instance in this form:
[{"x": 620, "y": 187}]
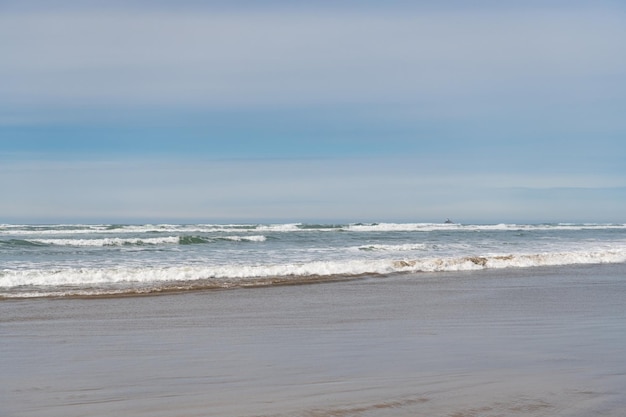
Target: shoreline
[
  {"x": 531, "y": 342},
  {"x": 213, "y": 284}
]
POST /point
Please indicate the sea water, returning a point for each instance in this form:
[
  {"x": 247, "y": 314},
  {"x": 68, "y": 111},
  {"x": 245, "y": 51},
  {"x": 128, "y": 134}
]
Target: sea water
[{"x": 108, "y": 259}]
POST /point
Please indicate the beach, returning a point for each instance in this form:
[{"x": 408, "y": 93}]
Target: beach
[
  {"x": 312, "y": 208},
  {"x": 546, "y": 341}
]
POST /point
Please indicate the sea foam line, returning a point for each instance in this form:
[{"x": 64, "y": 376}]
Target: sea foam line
[
  {"x": 431, "y": 227},
  {"x": 397, "y": 248},
  {"x": 16, "y": 283},
  {"x": 115, "y": 241},
  {"x": 26, "y": 230},
  {"x": 168, "y": 240}
]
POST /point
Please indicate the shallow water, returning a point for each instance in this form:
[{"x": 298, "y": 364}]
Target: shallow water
[{"x": 524, "y": 342}]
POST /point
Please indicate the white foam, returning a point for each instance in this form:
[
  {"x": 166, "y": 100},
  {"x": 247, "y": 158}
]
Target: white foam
[
  {"x": 26, "y": 230},
  {"x": 23, "y": 230},
  {"x": 135, "y": 241},
  {"x": 394, "y": 248},
  {"x": 254, "y": 238},
  {"x": 108, "y": 241},
  {"x": 14, "y": 283},
  {"x": 430, "y": 227},
  {"x": 500, "y": 261},
  {"x": 96, "y": 276}
]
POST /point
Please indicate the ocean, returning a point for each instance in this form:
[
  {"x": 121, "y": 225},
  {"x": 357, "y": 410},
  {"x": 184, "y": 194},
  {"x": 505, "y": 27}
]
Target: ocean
[
  {"x": 403, "y": 320},
  {"x": 108, "y": 259}
]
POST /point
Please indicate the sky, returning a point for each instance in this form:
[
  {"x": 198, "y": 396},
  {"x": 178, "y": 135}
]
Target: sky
[{"x": 327, "y": 111}]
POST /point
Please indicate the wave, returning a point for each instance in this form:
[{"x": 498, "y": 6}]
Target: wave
[
  {"x": 133, "y": 280},
  {"x": 430, "y": 227},
  {"x": 259, "y": 238},
  {"x": 407, "y": 247},
  {"x": 116, "y": 241},
  {"x": 110, "y": 229},
  {"x": 192, "y": 240},
  {"x": 20, "y": 243},
  {"x": 22, "y": 230},
  {"x": 18, "y": 230}
]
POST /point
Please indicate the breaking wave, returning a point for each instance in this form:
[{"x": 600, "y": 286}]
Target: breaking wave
[
  {"x": 136, "y": 280},
  {"x": 25, "y": 230},
  {"x": 116, "y": 241},
  {"x": 430, "y": 227},
  {"x": 397, "y": 248}
]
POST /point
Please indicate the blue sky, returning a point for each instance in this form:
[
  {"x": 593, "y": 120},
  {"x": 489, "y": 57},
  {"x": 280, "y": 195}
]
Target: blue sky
[{"x": 480, "y": 111}]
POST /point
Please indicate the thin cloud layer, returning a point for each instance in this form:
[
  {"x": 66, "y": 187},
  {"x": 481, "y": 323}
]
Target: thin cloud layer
[
  {"x": 296, "y": 190},
  {"x": 488, "y": 104},
  {"x": 277, "y": 59}
]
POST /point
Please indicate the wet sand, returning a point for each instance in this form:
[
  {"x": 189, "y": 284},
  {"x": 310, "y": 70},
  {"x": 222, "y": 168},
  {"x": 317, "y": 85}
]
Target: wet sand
[{"x": 527, "y": 342}]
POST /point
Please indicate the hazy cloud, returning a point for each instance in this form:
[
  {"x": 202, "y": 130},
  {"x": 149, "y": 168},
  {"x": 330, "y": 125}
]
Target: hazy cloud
[
  {"x": 349, "y": 190},
  {"x": 402, "y": 109},
  {"x": 257, "y": 59}
]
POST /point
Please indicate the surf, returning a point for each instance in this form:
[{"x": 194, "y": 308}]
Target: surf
[{"x": 143, "y": 280}]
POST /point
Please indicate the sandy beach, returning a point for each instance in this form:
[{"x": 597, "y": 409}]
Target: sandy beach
[{"x": 524, "y": 342}]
